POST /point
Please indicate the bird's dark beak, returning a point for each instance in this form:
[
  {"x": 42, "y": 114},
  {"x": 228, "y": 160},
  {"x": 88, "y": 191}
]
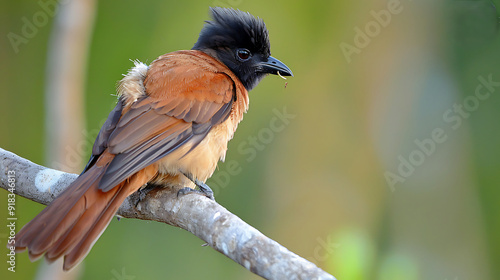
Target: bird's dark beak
[{"x": 273, "y": 66}]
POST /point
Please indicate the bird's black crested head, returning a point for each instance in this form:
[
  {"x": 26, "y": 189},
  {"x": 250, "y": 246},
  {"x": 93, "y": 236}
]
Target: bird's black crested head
[
  {"x": 234, "y": 28},
  {"x": 241, "y": 42}
]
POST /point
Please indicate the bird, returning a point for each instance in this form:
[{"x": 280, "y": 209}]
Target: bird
[{"x": 170, "y": 127}]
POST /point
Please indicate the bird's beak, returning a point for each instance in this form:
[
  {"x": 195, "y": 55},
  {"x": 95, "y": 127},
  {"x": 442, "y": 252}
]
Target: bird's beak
[{"x": 273, "y": 66}]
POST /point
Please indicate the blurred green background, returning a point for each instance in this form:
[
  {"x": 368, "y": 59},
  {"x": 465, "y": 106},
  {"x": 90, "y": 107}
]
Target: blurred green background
[{"x": 387, "y": 168}]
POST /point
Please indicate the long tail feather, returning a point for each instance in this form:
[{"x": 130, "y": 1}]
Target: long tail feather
[{"x": 74, "y": 221}]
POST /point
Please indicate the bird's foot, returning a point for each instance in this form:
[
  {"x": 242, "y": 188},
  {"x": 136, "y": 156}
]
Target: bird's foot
[
  {"x": 188, "y": 190},
  {"x": 143, "y": 192},
  {"x": 203, "y": 188}
]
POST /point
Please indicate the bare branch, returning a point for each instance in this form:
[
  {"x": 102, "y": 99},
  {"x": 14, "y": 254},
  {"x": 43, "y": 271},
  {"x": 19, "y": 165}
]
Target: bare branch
[{"x": 205, "y": 218}]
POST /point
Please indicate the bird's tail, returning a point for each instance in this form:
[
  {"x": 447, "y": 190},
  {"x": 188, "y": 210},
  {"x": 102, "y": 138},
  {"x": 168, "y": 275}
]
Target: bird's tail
[{"x": 74, "y": 221}]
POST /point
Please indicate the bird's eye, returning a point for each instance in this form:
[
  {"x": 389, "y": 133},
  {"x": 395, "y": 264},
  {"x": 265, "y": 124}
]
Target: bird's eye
[{"x": 243, "y": 54}]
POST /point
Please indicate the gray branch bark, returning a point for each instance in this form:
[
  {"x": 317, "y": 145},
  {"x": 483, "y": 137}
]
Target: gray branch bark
[{"x": 205, "y": 218}]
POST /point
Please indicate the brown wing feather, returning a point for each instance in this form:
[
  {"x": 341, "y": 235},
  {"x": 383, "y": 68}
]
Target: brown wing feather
[{"x": 181, "y": 106}]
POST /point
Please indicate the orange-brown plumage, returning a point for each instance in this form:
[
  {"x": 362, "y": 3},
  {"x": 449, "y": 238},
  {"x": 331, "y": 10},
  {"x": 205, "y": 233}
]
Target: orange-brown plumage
[{"x": 173, "y": 120}]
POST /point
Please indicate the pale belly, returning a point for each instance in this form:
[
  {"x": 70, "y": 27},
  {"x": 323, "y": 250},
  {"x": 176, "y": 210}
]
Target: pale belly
[{"x": 200, "y": 162}]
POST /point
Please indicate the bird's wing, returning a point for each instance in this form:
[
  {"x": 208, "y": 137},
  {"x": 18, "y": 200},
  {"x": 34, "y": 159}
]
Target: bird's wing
[{"x": 186, "y": 97}]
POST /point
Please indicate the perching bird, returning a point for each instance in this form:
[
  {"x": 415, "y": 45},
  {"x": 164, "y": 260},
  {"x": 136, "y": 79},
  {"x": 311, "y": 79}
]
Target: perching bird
[{"x": 171, "y": 126}]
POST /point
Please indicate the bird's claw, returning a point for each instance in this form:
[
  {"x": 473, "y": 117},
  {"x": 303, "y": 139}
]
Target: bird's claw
[
  {"x": 187, "y": 190},
  {"x": 143, "y": 192},
  {"x": 203, "y": 188}
]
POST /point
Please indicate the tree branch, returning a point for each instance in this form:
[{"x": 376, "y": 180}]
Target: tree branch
[{"x": 205, "y": 218}]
